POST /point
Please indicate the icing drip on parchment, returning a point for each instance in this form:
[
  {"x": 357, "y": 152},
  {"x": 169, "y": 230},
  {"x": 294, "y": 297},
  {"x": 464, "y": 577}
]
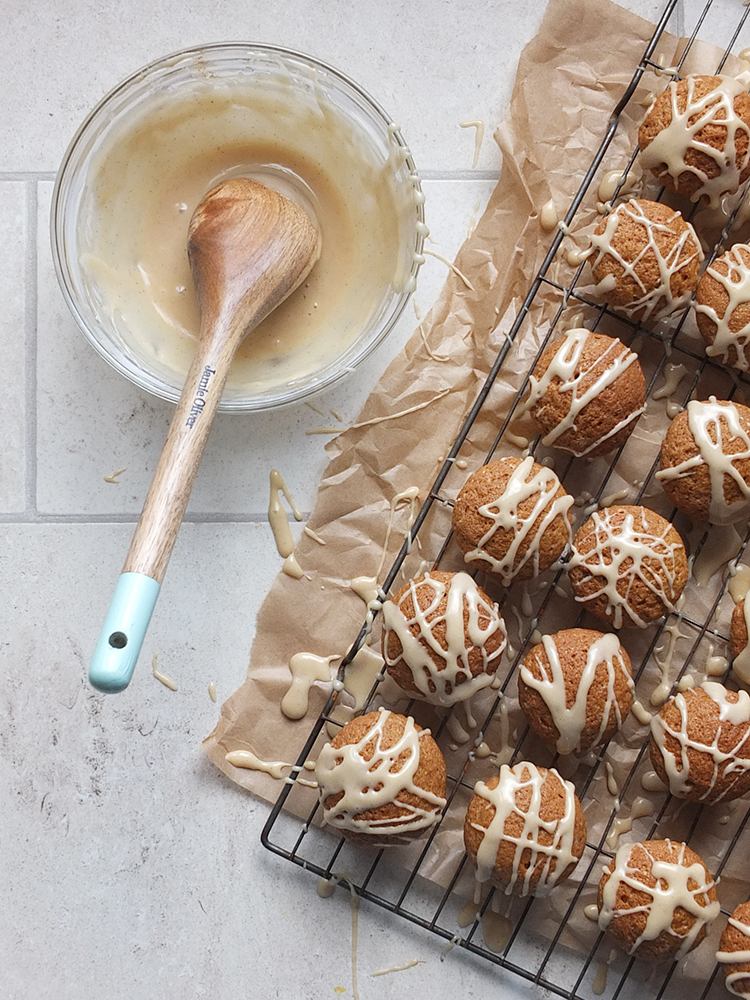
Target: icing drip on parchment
[
  {"x": 739, "y": 957},
  {"x": 713, "y": 426},
  {"x": 673, "y": 375},
  {"x": 669, "y": 147},
  {"x": 609, "y": 182},
  {"x": 729, "y": 766},
  {"x": 306, "y": 669},
  {"x": 451, "y": 679},
  {"x": 672, "y": 889},
  {"x": 570, "y": 720},
  {"x": 277, "y": 515},
  {"x": 548, "y": 861},
  {"x": 736, "y": 284},
  {"x": 366, "y": 784},
  {"x": 657, "y": 302},
  {"x": 525, "y": 483},
  {"x": 567, "y": 367},
  {"x": 651, "y": 560}
]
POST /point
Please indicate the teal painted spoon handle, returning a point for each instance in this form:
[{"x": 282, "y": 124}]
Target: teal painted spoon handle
[{"x": 123, "y": 632}]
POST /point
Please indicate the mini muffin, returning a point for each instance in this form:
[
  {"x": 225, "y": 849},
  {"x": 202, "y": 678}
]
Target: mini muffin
[
  {"x": 738, "y": 641},
  {"x": 576, "y": 688},
  {"x": 734, "y": 952},
  {"x": 628, "y": 566},
  {"x": 645, "y": 259},
  {"x": 657, "y": 899},
  {"x": 524, "y": 829},
  {"x": 443, "y": 637},
  {"x": 381, "y": 780},
  {"x": 722, "y": 307},
  {"x": 700, "y": 743},
  {"x": 705, "y": 461},
  {"x": 696, "y": 137},
  {"x": 587, "y": 392},
  {"x": 512, "y": 519}
]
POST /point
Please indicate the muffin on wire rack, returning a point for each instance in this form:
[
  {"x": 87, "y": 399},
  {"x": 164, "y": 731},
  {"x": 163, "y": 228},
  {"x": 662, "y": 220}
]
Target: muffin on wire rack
[
  {"x": 524, "y": 829},
  {"x": 739, "y": 640},
  {"x": 696, "y": 137},
  {"x": 628, "y": 566},
  {"x": 586, "y": 393},
  {"x": 700, "y": 743},
  {"x": 722, "y": 307},
  {"x": 645, "y": 259},
  {"x": 657, "y": 899},
  {"x": 382, "y": 780},
  {"x": 705, "y": 461},
  {"x": 443, "y": 637},
  {"x": 576, "y": 688},
  {"x": 734, "y": 951},
  {"x": 512, "y": 519}
]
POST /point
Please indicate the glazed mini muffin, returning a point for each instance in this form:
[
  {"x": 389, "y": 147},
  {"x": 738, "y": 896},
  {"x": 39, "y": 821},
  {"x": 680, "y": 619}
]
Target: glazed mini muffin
[
  {"x": 696, "y": 137},
  {"x": 628, "y": 566},
  {"x": 722, "y": 307},
  {"x": 587, "y": 392},
  {"x": 443, "y": 637},
  {"x": 657, "y": 899},
  {"x": 645, "y": 259},
  {"x": 700, "y": 743},
  {"x": 381, "y": 780},
  {"x": 512, "y": 519},
  {"x": 705, "y": 461},
  {"x": 524, "y": 829},
  {"x": 738, "y": 641},
  {"x": 576, "y": 688},
  {"x": 734, "y": 952}
]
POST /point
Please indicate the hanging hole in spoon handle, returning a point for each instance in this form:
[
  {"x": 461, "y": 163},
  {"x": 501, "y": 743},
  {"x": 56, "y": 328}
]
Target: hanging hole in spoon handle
[
  {"x": 123, "y": 632},
  {"x": 249, "y": 248}
]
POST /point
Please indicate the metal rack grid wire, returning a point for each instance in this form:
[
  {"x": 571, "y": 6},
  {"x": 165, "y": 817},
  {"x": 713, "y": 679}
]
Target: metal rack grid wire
[{"x": 550, "y": 962}]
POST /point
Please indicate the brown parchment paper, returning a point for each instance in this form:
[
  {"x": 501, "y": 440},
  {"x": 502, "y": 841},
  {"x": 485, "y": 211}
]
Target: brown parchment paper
[{"x": 569, "y": 79}]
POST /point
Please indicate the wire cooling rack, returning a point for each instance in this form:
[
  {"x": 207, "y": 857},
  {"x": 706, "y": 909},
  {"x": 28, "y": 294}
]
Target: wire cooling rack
[{"x": 550, "y": 960}]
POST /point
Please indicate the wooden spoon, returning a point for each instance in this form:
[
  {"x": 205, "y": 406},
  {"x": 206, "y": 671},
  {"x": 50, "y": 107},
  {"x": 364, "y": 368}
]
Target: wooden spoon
[{"x": 249, "y": 248}]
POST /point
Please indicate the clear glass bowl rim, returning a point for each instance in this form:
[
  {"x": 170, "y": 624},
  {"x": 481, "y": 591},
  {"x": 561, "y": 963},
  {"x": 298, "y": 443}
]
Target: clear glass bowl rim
[{"x": 145, "y": 380}]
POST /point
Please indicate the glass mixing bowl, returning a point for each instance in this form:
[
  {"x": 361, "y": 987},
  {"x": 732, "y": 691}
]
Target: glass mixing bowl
[{"x": 293, "y": 123}]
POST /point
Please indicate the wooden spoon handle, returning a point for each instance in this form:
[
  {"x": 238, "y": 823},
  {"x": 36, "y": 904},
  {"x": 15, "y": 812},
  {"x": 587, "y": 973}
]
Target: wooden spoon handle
[
  {"x": 178, "y": 464},
  {"x": 125, "y": 626}
]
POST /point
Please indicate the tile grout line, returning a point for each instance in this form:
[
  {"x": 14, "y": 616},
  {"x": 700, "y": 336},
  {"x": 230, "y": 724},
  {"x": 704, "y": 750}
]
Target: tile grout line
[
  {"x": 33, "y": 517},
  {"x": 459, "y": 174},
  {"x": 27, "y": 175},
  {"x": 32, "y": 268}
]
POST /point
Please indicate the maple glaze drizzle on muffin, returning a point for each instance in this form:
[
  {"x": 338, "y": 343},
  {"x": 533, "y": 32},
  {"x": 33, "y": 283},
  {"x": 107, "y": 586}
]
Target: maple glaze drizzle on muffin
[
  {"x": 524, "y": 829},
  {"x": 657, "y": 899},
  {"x": 696, "y": 137},
  {"x": 645, "y": 258},
  {"x": 628, "y": 565},
  {"x": 443, "y": 637},
  {"x": 576, "y": 688},
  {"x": 734, "y": 952},
  {"x": 587, "y": 392},
  {"x": 722, "y": 307},
  {"x": 700, "y": 743},
  {"x": 705, "y": 461},
  {"x": 511, "y": 518},
  {"x": 382, "y": 779}
]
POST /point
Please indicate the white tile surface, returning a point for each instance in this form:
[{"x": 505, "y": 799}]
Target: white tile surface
[
  {"x": 13, "y": 336},
  {"x": 121, "y": 845}
]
